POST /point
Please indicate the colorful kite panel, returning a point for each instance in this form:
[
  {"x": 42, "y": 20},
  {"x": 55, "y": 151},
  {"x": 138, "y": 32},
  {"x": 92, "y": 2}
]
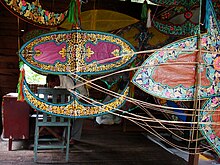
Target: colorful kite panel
[
  {"x": 34, "y": 13},
  {"x": 171, "y": 73},
  {"x": 209, "y": 122},
  {"x": 81, "y": 52},
  {"x": 74, "y": 108}
]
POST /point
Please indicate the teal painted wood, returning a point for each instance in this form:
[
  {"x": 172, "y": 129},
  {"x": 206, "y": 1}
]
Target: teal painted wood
[
  {"x": 46, "y": 121},
  {"x": 54, "y": 124}
]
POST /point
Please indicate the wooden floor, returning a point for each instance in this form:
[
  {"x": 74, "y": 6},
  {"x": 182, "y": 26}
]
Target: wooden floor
[{"x": 106, "y": 145}]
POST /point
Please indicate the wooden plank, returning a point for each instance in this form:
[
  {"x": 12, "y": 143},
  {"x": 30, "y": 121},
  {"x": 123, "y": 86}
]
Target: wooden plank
[
  {"x": 9, "y": 19},
  {"x": 9, "y": 77},
  {"x": 6, "y": 51},
  {"x": 11, "y": 71},
  {"x": 9, "y": 43},
  {"x": 9, "y": 39},
  {"x": 6, "y": 58},
  {"x": 11, "y": 24},
  {"x": 6, "y": 90},
  {"x": 6, "y": 14},
  {"x": 9, "y": 32},
  {"x": 9, "y": 84},
  {"x": 9, "y": 65}
]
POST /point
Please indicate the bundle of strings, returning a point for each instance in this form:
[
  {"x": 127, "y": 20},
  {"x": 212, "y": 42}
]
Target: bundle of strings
[
  {"x": 20, "y": 82},
  {"x": 74, "y": 12}
]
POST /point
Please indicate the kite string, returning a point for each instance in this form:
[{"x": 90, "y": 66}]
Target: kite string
[{"x": 155, "y": 132}]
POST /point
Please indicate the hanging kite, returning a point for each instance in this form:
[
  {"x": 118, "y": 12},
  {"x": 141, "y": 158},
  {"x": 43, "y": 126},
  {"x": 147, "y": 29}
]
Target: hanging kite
[
  {"x": 101, "y": 20},
  {"x": 79, "y": 52},
  {"x": 179, "y": 18},
  {"x": 175, "y": 3},
  {"x": 209, "y": 118},
  {"x": 34, "y": 12},
  {"x": 171, "y": 73},
  {"x": 74, "y": 108}
]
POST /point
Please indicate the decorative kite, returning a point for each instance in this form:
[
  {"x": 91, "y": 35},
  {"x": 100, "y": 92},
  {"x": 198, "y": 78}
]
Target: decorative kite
[
  {"x": 175, "y": 3},
  {"x": 78, "y": 51},
  {"x": 74, "y": 108},
  {"x": 101, "y": 20},
  {"x": 171, "y": 72},
  {"x": 34, "y": 13},
  {"x": 179, "y": 18},
  {"x": 209, "y": 118}
]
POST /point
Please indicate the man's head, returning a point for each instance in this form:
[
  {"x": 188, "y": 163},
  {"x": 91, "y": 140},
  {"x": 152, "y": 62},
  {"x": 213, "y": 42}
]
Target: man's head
[{"x": 53, "y": 80}]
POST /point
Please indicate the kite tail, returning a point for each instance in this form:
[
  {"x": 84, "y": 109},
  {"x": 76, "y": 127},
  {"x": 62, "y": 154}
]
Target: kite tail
[
  {"x": 20, "y": 82},
  {"x": 131, "y": 74},
  {"x": 146, "y": 14},
  {"x": 74, "y": 13}
]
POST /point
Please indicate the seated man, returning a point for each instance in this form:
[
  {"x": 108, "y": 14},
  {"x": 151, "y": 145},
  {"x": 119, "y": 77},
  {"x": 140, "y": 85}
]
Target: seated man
[{"x": 63, "y": 81}]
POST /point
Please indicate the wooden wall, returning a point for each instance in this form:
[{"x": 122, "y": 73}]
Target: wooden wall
[
  {"x": 8, "y": 52},
  {"x": 8, "y": 57}
]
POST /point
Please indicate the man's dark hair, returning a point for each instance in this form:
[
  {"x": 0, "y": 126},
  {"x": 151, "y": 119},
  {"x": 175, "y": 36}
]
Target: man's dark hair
[
  {"x": 52, "y": 80},
  {"x": 52, "y": 77}
]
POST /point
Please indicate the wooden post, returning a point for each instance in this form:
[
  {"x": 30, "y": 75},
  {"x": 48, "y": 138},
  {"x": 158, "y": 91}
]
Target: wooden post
[
  {"x": 193, "y": 159},
  {"x": 193, "y": 150}
]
